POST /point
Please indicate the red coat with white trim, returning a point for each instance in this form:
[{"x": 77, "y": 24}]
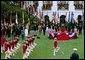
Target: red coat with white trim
[
  {"x": 6, "y": 46},
  {"x": 55, "y": 44},
  {"x": 24, "y": 48},
  {"x": 3, "y": 40}
]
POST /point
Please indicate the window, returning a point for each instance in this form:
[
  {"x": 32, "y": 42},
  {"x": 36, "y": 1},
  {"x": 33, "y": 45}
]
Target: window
[
  {"x": 79, "y": 4},
  {"x": 47, "y": 5},
  {"x": 62, "y": 5}
]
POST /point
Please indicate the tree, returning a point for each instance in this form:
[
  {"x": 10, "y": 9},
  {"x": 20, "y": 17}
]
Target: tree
[{"x": 8, "y": 8}]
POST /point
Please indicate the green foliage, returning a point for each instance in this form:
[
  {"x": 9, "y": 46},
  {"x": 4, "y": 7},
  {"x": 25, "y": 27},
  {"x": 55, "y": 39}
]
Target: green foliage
[{"x": 7, "y": 9}]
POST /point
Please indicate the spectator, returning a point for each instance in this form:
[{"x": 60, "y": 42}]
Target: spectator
[
  {"x": 26, "y": 33},
  {"x": 74, "y": 55},
  {"x": 22, "y": 34}
]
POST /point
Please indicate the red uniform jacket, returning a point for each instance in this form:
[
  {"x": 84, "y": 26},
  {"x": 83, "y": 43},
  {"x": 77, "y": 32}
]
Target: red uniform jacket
[
  {"x": 55, "y": 43},
  {"x": 12, "y": 44},
  {"x": 6, "y": 46},
  {"x": 24, "y": 47},
  {"x": 9, "y": 46},
  {"x": 3, "y": 40},
  {"x": 33, "y": 40}
]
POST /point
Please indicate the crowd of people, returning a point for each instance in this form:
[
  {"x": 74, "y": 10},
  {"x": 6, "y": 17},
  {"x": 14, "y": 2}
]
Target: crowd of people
[
  {"x": 54, "y": 30},
  {"x": 72, "y": 34}
]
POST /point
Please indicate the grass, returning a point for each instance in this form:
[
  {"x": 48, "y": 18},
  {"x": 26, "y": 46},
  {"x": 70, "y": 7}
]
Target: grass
[{"x": 44, "y": 49}]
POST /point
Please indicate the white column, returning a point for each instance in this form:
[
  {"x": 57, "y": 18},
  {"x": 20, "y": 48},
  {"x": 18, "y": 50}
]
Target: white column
[
  {"x": 54, "y": 6},
  {"x": 71, "y": 6},
  {"x": 40, "y": 5}
]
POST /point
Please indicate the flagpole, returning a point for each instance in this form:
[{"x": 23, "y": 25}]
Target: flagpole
[
  {"x": 66, "y": 17},
  {"x": 16, "y": 18}
]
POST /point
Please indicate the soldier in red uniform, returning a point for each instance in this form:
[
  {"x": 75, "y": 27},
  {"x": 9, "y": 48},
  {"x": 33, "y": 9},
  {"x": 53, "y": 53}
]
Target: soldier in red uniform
[
  {"x": 33, "y": 41},
  {"x": 16, "y": 44},
  {"x": 28, "y": 46},
  {"x": 11, "y": 47},
  {"x": 29, "y": 41},
  {"x": 10, "y": 51},
  {"x": 3, "y": 40},
  {"x": 24, "y": 48},
  {"x": 13, "y": 44},
  {"x": 6, "y": 49},
  {"x": 55, "y": 45}
]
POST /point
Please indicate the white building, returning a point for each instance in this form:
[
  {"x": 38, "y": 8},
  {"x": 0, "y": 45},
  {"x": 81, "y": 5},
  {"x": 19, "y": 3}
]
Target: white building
[{"x": 62, "y": 11}]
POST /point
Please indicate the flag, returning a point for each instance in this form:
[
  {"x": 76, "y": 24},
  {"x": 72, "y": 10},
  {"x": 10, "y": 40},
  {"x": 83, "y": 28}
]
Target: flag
[
  {"x": 16, "y": 18},
  {"x": 72, "y": 17}
]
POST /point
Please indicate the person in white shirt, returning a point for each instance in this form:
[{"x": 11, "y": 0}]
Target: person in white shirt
[{"x": 26, "y": 32}]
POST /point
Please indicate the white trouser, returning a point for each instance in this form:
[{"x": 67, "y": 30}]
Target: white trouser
[
  {"x": 28, "y": 50},
  {"x": 35, "y": 44},
  {"x": 18, "y": 45},
  {"x": 55, "y": 50},
  {"x": 7, "y": 54},
  {"x": 25, "y": 56},
  {"x": 13, "y": 51},
  {"x": 30, "y": 47}
]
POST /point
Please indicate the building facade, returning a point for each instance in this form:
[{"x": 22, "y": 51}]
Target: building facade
[
  {"x": 62, "y": 8},
  {"x": 57, "y": 7}
]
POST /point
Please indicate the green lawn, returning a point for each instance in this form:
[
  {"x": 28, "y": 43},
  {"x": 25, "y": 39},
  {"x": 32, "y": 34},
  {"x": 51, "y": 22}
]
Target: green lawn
[{"x": 44, "y": 49}]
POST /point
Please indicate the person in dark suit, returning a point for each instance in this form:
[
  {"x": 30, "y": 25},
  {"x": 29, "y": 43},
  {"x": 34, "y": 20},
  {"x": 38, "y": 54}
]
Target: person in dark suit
[
  {"x": 74, "y": 55},
  {"x": 44, "y": 29},
  {"x": 80, "y": 24},
  {"x": 8, "y": 31},
  {"x": 62, "y": 19}
]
